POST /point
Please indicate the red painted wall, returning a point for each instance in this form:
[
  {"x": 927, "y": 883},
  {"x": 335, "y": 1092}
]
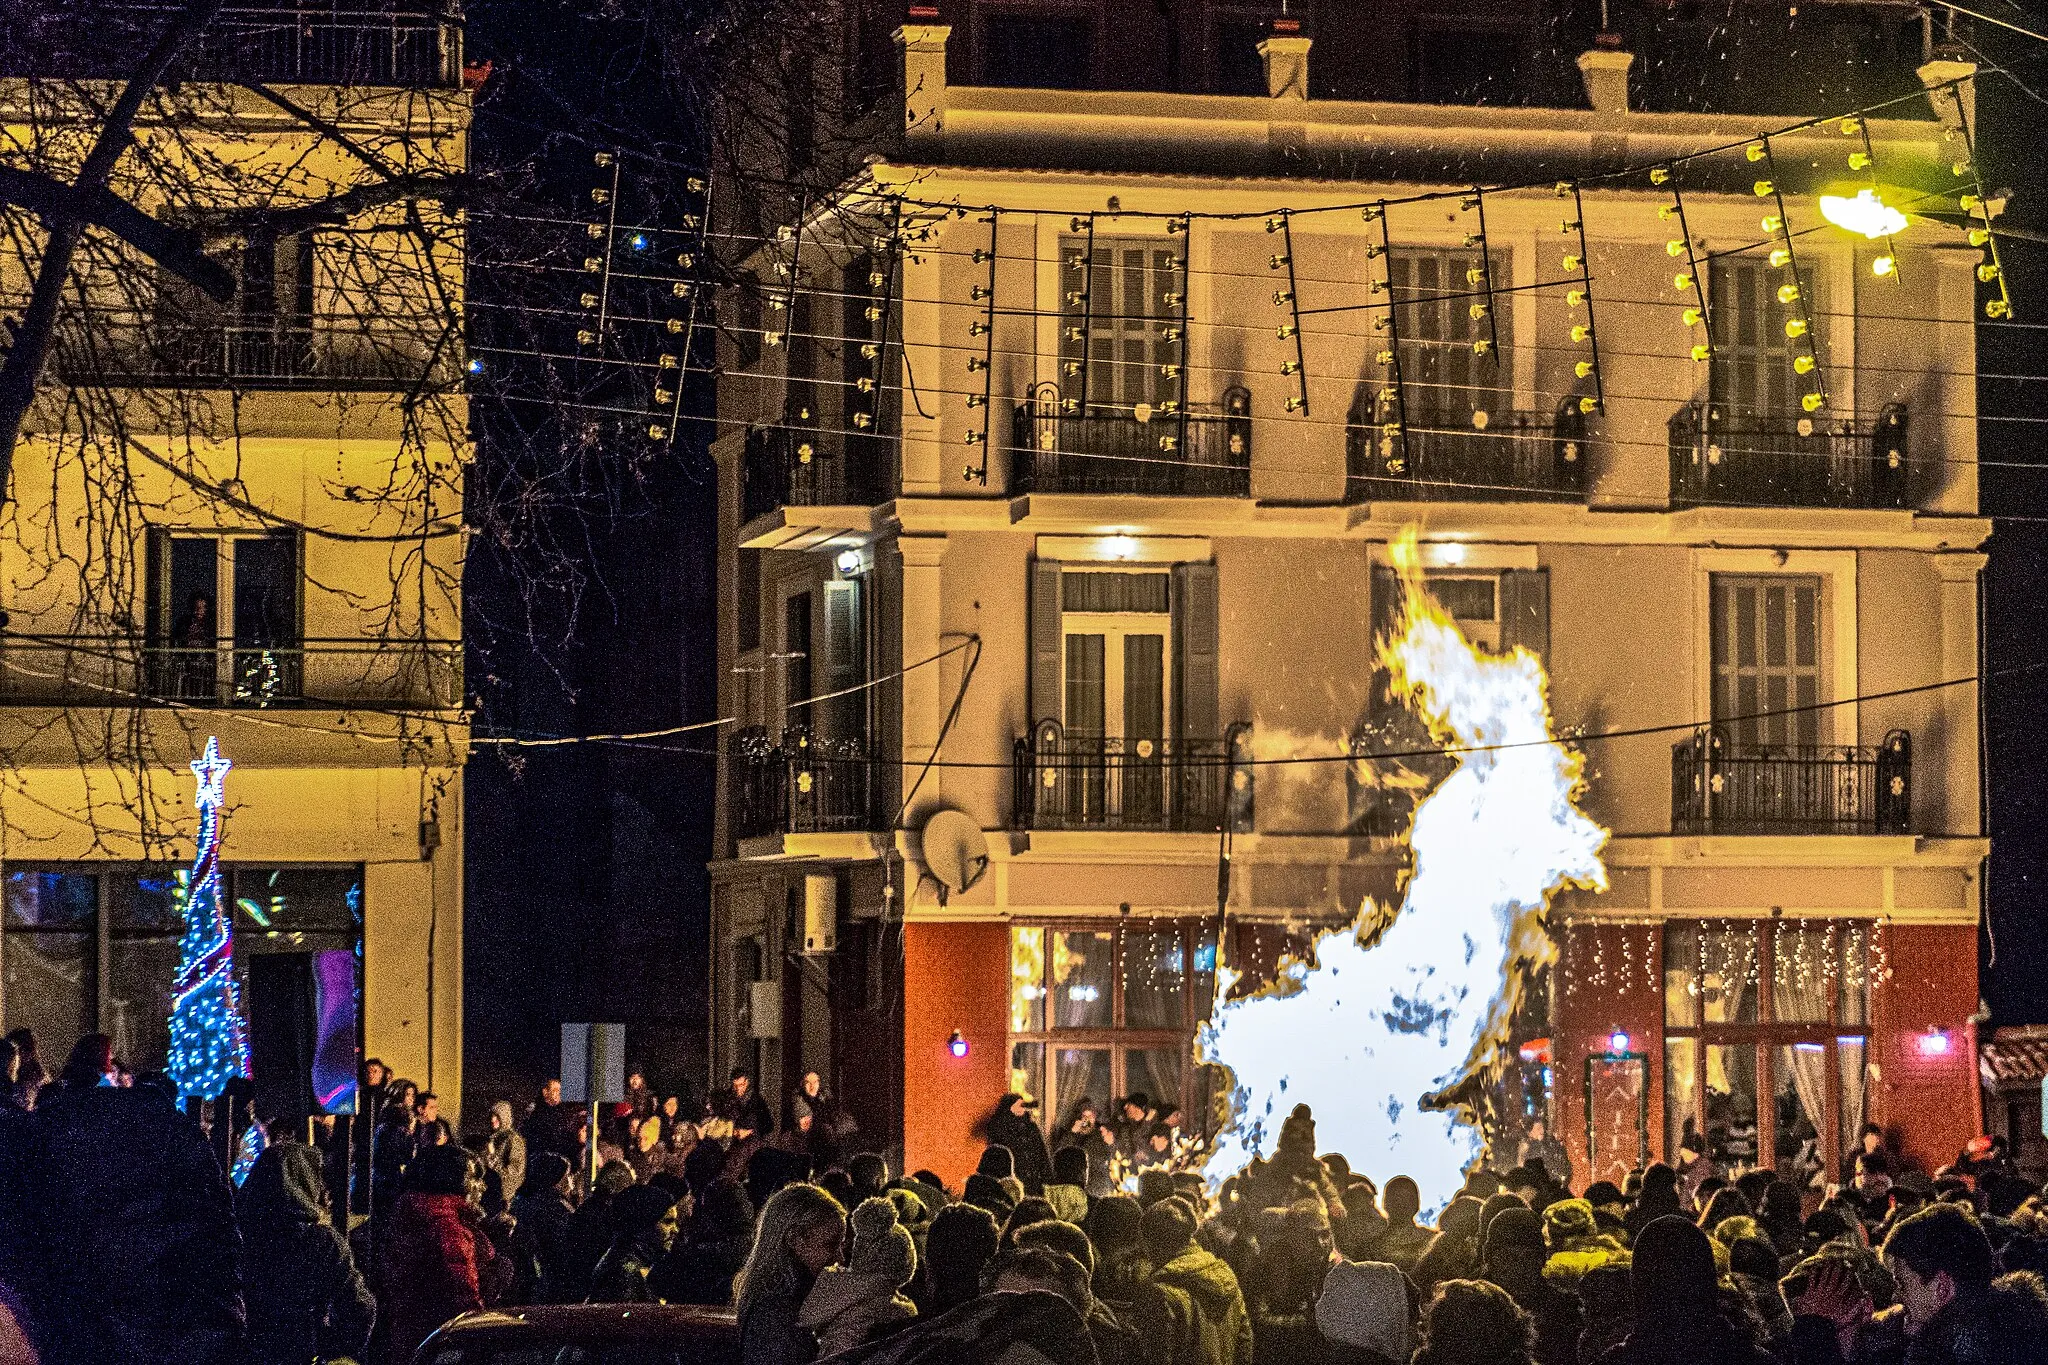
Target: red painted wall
[
  {"x": 1929, "y": 1101},
  {"x": 1589, "y": 1003},
  {"x": 955, "y": 976}
]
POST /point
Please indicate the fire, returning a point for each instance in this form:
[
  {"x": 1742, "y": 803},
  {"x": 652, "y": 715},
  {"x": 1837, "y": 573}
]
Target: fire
[{"x": 1387, "y": 1018}]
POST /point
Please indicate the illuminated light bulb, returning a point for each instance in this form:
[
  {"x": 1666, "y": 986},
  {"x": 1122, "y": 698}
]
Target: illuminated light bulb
[
  {"x": 1788, "y": 293},
  {"x": 1675, "y": 247},
  {"x": 1384, "y": 358},
  {"x": 1581, "y": 332},
  {"x": 1802, "y": 364},
  {"x": 1282, "y": 297},
  {"x": 975, "y": 365},
  {"x": 1851, "y": 126},
  {"x": 1763, "y": 189},
  {"x": 974, "y": 438},
  {"x": 1667, "y": 212},
  {"x": 1571, "y": 261},
  {"x": 1568, "y": 226},
  {"x": 1812, "y": 402},
  {"x": 1883, "y": 265},
  {"x": 863, "y": 420},
  {"x": 1563, "y": 189},
  {"x": 1771, "y": 222},
  {"x": 1780, "y": 258},
  {"x": 1174, "y": 225},
  {"x": 1859, "y": 161},
  {"x": 1374, "y": 251},
  {"x": 977, "y": 329},
  {"x": 1692, "y": 317},
  {"x": 1574, "y": 298},
  {"x": 1478, "y": 310},
  {"x": 1474, "y": 239},
  {"x": 1618, "y": 1041},
  {"x": 1996, "y": 308},
  {"x": 1987, "y": 272},
  {"x": 1476, "y": 275},
  {"x": 1659, "y": 175},
  {"x": 1795, "y": 327},
  {"x": 1865, "y": 214},
  {"x": 1286, "y": 331},
  {"x": 1372, "y": 213},
  {"x": 1583, "y": 369},
  {"x": 1077, "y": 224},
  {"x": 980, "y": 292},
  {"x": 1290, "y": 367},
  {"x": 1970, "y": 203},
  {"x": 1756, "y": 151},
  {"x": 1702, "y": 351},
  {"x": 1481, "y": 346},
  {"x": 1961, "y": 169},
  {"x": 1295, "y": 404},
  {"x": 1275, "y": 223},
  {"x": 1276, "y": 262},
  {"x": 1682, "y": 280},
  {"x": 1978, "y": 237},
  {"x": 956, "y": 1044}
]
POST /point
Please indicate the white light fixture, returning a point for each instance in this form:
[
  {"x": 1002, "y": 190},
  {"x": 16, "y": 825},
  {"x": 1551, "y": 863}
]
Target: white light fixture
[
  {"x": 1934, "y": 1043},
  {"x": 849, "y": 561},
  {"x": 1617, "y": 1041},
  {"x": 1444, "y": 553},
  {"x": 1865, "y": 214},
  {"x": 1120, "y": 547}
]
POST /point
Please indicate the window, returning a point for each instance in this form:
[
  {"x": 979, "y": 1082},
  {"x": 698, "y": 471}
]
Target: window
[
  {"x": 1099, "y": 1010},
  {"x": 223, "y": 621},
  {"x": 1752, "y": 372},
  {"x": 1765, "y": 1041},
  {"x": 747, "y": 597},
  {"x": 1043, "y": 51},
  {"x": 1765, "y": 640},
  {"x": 796, "y": 657},
  {"x": 1444, "y": 380},
  {"x": 1115, "y": 626},
  {"x": 1468, "y": 64},
  {"x": 1115, "y": 316}
]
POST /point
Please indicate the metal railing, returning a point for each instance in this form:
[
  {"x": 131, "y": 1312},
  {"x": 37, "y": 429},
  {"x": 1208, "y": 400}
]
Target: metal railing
[
  {"x": 1513, "y": 457},
  {"x": 116, "y": 670},
  {"x": 284, "y": 42},
  {"x": 802, "y": 785},
  {"x": 788, "y": 466},
  {"x": 1766, "y": 460},
  {"x": 351, "y": 355},
  {"x": 1200, "y": 453},
  {"x": 1078, "y": 781},
  {"x": 1719, "y": 788}
]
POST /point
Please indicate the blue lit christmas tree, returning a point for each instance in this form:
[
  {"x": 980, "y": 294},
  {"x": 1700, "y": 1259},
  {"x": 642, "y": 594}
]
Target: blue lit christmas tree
[{"x": 209, "y": 1041}]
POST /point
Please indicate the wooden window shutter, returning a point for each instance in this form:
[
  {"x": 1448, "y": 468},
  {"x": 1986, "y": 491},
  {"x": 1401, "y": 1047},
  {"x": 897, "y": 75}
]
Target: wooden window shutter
[
  {"x": 842, "y": 656},
  {"x": 1197, "y": 666},
  {"x": 1047, "y": 682},
  {"x": 1525, "y": 611},
  {"x": 1386, "y": 619}
]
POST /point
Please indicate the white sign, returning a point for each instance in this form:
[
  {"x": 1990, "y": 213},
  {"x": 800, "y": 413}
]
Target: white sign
[{"x": 593, "y": 1050}]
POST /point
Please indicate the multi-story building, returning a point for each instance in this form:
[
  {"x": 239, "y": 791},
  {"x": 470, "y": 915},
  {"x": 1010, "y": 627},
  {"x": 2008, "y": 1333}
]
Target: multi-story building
[
  {"x": 236, "y": 515},
  {"x": 1201, "y": 357}
]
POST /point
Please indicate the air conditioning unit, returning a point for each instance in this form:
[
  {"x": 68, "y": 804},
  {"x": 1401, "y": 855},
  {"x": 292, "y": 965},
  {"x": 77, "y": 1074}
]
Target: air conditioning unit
[{"x": 821, "y": 913}]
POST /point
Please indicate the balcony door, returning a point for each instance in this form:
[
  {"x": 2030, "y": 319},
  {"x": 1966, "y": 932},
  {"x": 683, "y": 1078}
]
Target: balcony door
[
  {"x": 1115, "y": 314},
  {"x": 1766, "y": 641},
  {"x": 224, "y": 618},
  {"x": 1115, "y": 629},
  {"x": 1441, "y": 298},
  {"x": 1752, "y": 372}
]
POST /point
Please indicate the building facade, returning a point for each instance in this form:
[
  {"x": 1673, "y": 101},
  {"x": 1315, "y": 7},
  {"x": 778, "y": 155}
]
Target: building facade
[
  {"x": 1060, "y": 453},
  {"x": 236, "y": 515}
]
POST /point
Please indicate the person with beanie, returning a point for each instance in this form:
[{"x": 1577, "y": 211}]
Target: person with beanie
[
  {"x": 1471, "y": 1322},
  {"x": 1365, "y": 1314},
  {"x": 1067, "y": 1191},
  {"x": 1513, "y": 1258},
  {"x": 540, "y": 1212},
  {"x": 986, "y": 1192},
  {"x": 644, "y": 1223},
  {"x": 1191, "y": 1311},
  {"x": 1120, "y": 1264},
  {"x": 962, "y": 1240},
  {"x": 856, "y": 1302}
]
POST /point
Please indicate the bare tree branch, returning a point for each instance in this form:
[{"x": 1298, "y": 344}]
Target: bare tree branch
[{"x": 175, "y": 249}]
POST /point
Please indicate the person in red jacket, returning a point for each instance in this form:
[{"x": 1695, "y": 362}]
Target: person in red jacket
[{"x": 438, "y": 1264}]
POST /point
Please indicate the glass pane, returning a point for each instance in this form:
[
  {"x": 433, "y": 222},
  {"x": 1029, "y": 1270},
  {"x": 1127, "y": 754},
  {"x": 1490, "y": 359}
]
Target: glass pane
[
  {"x": 1852, "y": 980},
  {"x": 1799, "y": 1105},
  {"x": 1081, "y": 980},
  {"x": 49, "y": 989},
  {"x": 1085, "y": 696},
  {"x": 148, "y": 902},
  {"x": 1204, "y": 984},
  {"x": 1851, "y": 1059},
  {"x": 1682, "y": 975},
  {"x": 1154, "y": 979},
  {"x": 1080, "y": 1077},
  {"x": 1027, "y": 1069},
  {"x": 1144, "y": 686},
  {"x": 140, "y": 972},
  {"x": 1027, "y": 982},
  {"x": 1681, "y": 1094},
  {"x": 1731, "y": 1105},
  {"x": 51, "y": 900},
  {"x": 1156, "y": 1073},
  {"x": 1802, "y": 974},
  {"x": 298, "y": 899},
  {"x": 1728, "y": 975}
]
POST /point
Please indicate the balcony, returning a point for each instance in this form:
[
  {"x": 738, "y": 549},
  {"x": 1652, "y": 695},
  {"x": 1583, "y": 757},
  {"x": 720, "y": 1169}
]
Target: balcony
[
  {"x": 1200, "y": 453},
  {"x": 1723, "y": 458},
  {"x": 800, "y": 467},
  {"x": 355, "y": 356},
  {"x": 119, "y": 670},
  {"x": 1719, "y": 788},
  {"x": 1513, "y": 457},
  {"x": 276, "y": 42},
  {"x": 1089, "y": 782},
  {"x": 803, "y": 785}
]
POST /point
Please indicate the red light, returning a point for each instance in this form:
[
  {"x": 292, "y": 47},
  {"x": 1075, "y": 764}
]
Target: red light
[
  {"x": 1934, "y": 1044},
  {"x": 956, "y": 1044}
]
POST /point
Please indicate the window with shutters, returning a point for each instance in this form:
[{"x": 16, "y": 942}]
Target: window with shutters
[
  {"x": 844, "y": 661},
  {"x": 1115, "y": 318},
  {"x": 1441, "y": 295},
  {"x": 1114, "y": 627},
  {"x": 1752, "y": 370},
  {"x": 1766, "y": 639}
]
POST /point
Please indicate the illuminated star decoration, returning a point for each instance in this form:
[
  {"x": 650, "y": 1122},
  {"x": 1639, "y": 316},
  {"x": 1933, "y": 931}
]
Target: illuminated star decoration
[{"x": 209, "y": 1040}]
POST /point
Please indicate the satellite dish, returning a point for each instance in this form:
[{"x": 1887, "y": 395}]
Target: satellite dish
[{"x": 954, "y": 850}]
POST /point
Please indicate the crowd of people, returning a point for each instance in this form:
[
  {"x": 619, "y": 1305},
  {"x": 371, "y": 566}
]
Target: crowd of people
[{"x": 122, "y": 1238}]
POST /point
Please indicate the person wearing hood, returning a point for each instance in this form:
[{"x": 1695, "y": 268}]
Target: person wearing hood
[
  {"x": 1366, "y": 1314},
  {"x": 1676, "y": 1293},
  {"x": 504, "y": 1150},
  {"x": 1513, "y": 1259},
  {"x": 1012, "y": 1126},
  {"x": 1658, "y": 1199},
  {"x": 856, "y": 1302},
  {"x": 306, "y": 1300},
  {"x": 541, "y": 1213},
  {"x": 437, "y": 1261},
  {"x": 1191, "y": 1311},
  {"x": 644, "y": 1223}
]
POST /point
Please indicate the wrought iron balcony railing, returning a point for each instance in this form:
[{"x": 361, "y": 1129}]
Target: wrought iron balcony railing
[
  {"x": 787, "y": 466},
  {"x": 1512, "y": 457},
  {"x": 1077, "y": 781},
  {"x": 275, "y": 42},
  {"x": 1720, "y": 788},
  {"x": 802, "y": 785},
  {"x": 1201, "y": 453},
  {"x": 354, "y": 355},
  {"x": 1764, "y": 460},
  {"x": 116, "y": 670}
]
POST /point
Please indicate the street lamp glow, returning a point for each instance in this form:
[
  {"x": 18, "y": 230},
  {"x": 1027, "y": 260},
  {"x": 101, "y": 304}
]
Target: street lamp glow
[
  {"x": 1866, "y": 214},
  {"x": 1617, "y": 1041}
]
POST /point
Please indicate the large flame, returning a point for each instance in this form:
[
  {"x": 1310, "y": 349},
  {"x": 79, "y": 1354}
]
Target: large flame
[{"x": 1388, "y": 1017}]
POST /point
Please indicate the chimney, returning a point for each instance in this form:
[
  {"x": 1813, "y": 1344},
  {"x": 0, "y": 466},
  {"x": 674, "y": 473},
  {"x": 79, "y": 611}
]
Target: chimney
[
  {"x": 922, "y": 42},
  {"x": 1604, "y": 69},
  {"x": 1284, "y": 50}
]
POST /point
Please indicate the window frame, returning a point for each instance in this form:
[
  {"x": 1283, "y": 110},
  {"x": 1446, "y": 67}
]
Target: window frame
[{"x": 1837, "y": 570}]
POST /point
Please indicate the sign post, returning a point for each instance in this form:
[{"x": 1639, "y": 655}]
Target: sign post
[{"x": 593, "y": 1073}]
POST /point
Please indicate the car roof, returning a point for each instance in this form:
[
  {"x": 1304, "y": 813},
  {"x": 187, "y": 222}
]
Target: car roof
[{"x": 586, "y": 1323}]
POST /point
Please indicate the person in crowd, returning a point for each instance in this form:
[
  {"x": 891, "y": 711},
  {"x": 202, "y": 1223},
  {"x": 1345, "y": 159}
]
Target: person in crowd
[
  {"x": 590, "y": 1231},
  {"x": 547, "y": 1127},
  {"x": 504, "y": 1149},
  {"x": 1657, "y": 1199},
  {"x": 1678, "y": 1317},
  {"x": 306, "y": 1300},
  {"x": 437, "y": 1261},
  {"x": 1191, "y": 1310},
  {"x": 1871, "y": 1193},
  {"x": 802, "y": 1231},
  {"x": 1113, "y": 1226},
  {"x": 1471, "y": 1322},
  {"x": 1454, "y": 1253},
  {"x": 700, "y": 1267},
  {"x": 1067, "y": 1191},
  {"x": 864, "y": 1298},
  {"x": 29, "y": 1077},
  {"x": 1011, "y": 1126},
  {"x": 1404, "y": 1240},
  {"x": 91, "y": 1064},
  {"x": 393, "y": 1144},
  {"x": 740, "y": 1105},
  {"x": 1294, "y": 1170},
  {"x": 1294, "y": 1251},
  {"x": 640, "y": 1101},
  {"x": 962, "y": 1240},
  {"x": 644, "y": 1221},
  {"x": 1364, "y": 1314},
  {"x": 541, "y": 1213},
  {"x": 1956, "y": 1310},
  {"x": 1513, "y": 1259},
  {"x": 1114, "y": 1340},
  {"x": 1541, "y": 1148}
]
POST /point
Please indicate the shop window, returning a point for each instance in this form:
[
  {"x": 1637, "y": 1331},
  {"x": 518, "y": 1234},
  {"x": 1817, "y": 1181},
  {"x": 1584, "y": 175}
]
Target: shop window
[
  {"x": 1099, "y": 1012},
  {"x": 1765, "y": 1042}
]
